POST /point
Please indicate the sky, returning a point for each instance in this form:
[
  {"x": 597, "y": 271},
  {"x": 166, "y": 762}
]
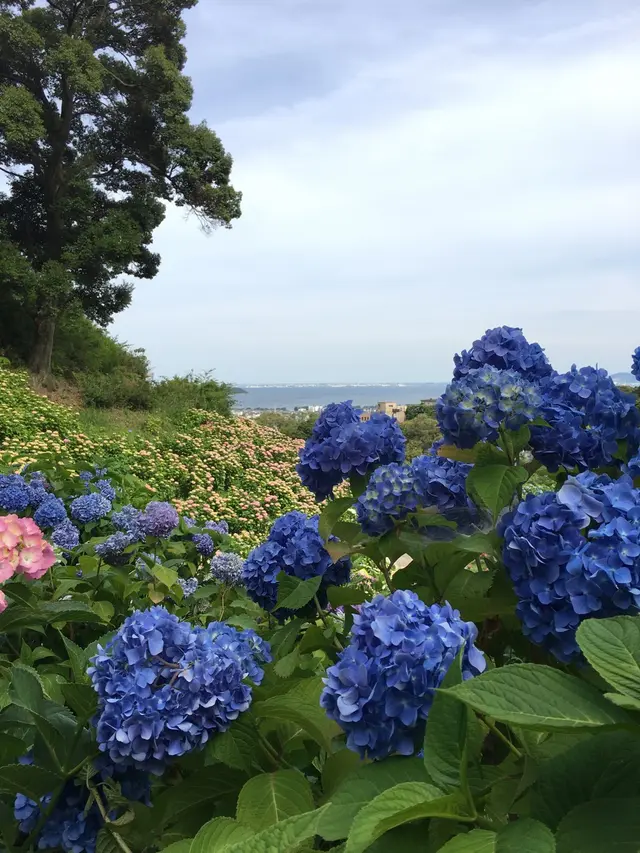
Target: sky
[{"x": 413, "y": 172}]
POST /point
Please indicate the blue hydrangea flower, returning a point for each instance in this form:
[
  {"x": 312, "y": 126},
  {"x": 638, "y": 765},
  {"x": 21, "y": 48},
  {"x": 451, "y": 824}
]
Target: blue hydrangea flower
[
  {"x": 50, "y": 513},
  {"x": 112, "y": 549},
  {"x": 505, "y": 348},
  {"x": 226, "y": 567},
  {"x": 475, "y": 407},
  {"x": 89, "y": 508},
  {"x": 204, "y": 544},
  {"x": 333, "y": 417},
  {"x": 38, "y": 489},
  {"x": 188, "y": 585},
  {"x": 218, "y": 526},
  {"x": 573, "y": 555},
  {"x": 293, "y": 546},
  {"x": 389, "y": 497},
  {"x": 442, "y": 483},
  {"x": 382, "y": 686},
  {"x": 105, "y": 487},
  {"x": 632, "y": 467},
  {"x": 66, "y": 536},
  {"x": 15, "y": 495},
  {"x": 635, "y": 363},
  {"x": 164, "y": 687},
  {"x": 587, "y": 415},
  {"x": 128, "y": 521},
  {"x": 159, "y": 519},
  {"x": 252, "y": 651},
  {"x": 342, "y": 447}
]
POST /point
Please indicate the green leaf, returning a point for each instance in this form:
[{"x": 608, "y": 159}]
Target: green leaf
[
  {"x": 219, "y": 835},
  {"x": 182, "y": 846},
  {"x": 82, "y": 700},
  {"x": 604, "y": 765},
  {"x": 26, "y": 687},
  {"x": 337, "y": 550},
  {"x": 106, "y": 843},
  {"x": 294, "y": 593},
  {"x": 237, "y": 747},
  {"x": 538, "y": 697},
  {"x": 301, "y": 705},
  {"x": 208, "y": 784},
  {"x": 284, "y": 837},
  {"x": 337, "y": 767},
  {"x": 627, "y": 702},
  {"x": 11, "y": 748},
  {"x": 16, "y": 617},
  {"x": 517, "y": 440},
  {"x": 104, "y": 609},
  {"x": 331, "y": 514},
  {"x": 360, "y": 787},
  {"x": 612, "y": 647},
  {"x": 315, "y": 638},
  {"x": 341, "y": 595},
  {"x": 166, "y": 576},
  {"x": 401, "y": 804},
  {"x": 525, "y": 836},
  {"x": 476, "y": 841},
  {"x": 68, "y": 611},
  {"x": 273, "y": 797},
  {"x": 601, "y": 826},
  {"x": 27, "y": 779},
  {"x": 494, "y": 486},
  {"x": 77, "y": 659},
  {"x": 284, "y": 638},
  {"x": 450, "y": 451},
  {"x": 445, "y": 739}
]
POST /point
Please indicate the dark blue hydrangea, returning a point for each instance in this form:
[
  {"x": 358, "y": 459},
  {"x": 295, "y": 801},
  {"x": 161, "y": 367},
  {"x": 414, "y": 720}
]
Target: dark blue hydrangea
[
  {"x": 587, "y": 416},
  {"x": 475, "y": 407},
  {"x": 15, "y": 495},
  {"x": 635, "y": 363},
  {"x": 227, "y": 568},
  {"x": 339, "y": 449},
  {"x": 38, "y": 489},
  {"x": 334, "y": 417},
  {"x": 632, "y": 467},
  {"x": 86, "y": 477},
  {"x": 217, "y": 526},
  {"x": 128, "y": 521},
  {"x": 382, "y": 686},
  {"x": 105, "y": 487},
  {"x": 293, "y": 546},
  {"x": 164, "y": 688},
  {"x": 66, "y": 536},
  {"x": 50, "y": 513},
  {"x": 442, "y": 483},
  {"x": 204, "y": 544},
  {"x": 389, "y": 497},
  {"x": 89, "y": 508},
  {"x": 112, "y": 550},
  {"x": 247, "y": 646},
  {"x": 159, "y": 519},
  {"x": 188, "y": 586},
  {"x": 574, "y": 555},
  {"x": 506, "y": 348}
]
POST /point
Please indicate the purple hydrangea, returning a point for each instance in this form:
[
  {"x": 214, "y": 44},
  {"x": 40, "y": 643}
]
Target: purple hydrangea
[
  {"x": 505, "y": 348},
  {"x": 112, "y": 550},
  {"x": 218, "y": 527},
  {"x": 475, "y": 407},
  {"x": 164, "y": 688},
  {"x": 382, "y": 686},
  {"x": 574, "y": 555},
  {"x": 159, "y": 519},
  {"x": 50, "y": 513},
  {"x": 226, "y": 567},
  {"x": 66, "y": 536},
  {"x": 188, "y": 586},
  {"x": 204, "y": 544},
  {"x": 295, "y": 547},
  {"x": 90, "y": 508},
  {"x": 128, "y": 521},
  {"x": 342, "y": 446},
  {"x": 15, "y": 494}
]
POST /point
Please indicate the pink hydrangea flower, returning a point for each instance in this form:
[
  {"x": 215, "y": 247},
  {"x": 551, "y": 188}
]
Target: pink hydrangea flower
[
  {"x": 3, "y": 601},
  {"x": 23, "y": 549}
]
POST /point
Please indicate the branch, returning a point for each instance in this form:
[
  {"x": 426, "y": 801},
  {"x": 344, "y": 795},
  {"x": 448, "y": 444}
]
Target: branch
[{"x": 9, "y": 172}]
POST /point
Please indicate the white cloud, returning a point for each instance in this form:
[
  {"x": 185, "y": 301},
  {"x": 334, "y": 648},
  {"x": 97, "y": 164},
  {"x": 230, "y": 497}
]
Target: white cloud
[{"x": 487, "y": 178}]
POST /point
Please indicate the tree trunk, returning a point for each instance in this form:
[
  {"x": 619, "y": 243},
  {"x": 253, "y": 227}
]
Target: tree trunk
[{"x": 40, "y": 362}]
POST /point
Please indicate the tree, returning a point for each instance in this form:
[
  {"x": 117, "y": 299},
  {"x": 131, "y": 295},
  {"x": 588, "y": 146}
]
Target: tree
[
  {"x": 420, "y": 433},
  {"x": 94, "y": 139},
  {"x": 423, "y": 408}
]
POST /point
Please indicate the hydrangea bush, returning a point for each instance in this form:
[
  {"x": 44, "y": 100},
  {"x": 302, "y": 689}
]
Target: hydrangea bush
[{"x": 441, "y": 656}]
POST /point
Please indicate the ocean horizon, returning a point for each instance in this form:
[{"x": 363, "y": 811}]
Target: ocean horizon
[{"x": 292, "y": 396}]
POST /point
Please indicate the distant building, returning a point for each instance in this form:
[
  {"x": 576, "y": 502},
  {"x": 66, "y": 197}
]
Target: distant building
[{"x": 394, "y": 410}]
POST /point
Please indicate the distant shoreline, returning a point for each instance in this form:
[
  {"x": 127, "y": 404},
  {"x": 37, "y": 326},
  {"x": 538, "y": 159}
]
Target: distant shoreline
[{"x": 288, "y": 398}]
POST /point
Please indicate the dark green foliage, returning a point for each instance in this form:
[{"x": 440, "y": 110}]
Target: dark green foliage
[
  {"x": 423, "y": 408},
  {"x": 293, "y": 424},
  {"x": 421, "y": 431},
  {"x": 94, "y": 139},
  {"x": 176, "y": 395}
]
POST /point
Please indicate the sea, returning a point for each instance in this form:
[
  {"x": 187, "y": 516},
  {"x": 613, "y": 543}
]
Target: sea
[{"x": 290, "y": 397}]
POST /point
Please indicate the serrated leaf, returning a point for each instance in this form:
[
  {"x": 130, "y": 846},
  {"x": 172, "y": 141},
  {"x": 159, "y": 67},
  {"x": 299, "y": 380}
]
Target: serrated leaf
[
  {"x": 283, "y": 640},
  {"x": 494, "y": 486},
  {"x": 104, "y": 609},
  {"x": 182, "y": 846},
  {"x": 612, "y": 647},
  {"x": 538, "y": 697},
  {"x": 11, "y": 748},
  {"x": 361, "y": 786},
  {"x": 68, "y": 611},
  {"x": 27, "y": 779},
  {"x": 77, "y": 659},
  {"x": 106, "y": 843},
  {"x": 273, "y": 797},
  {"x": 403, "y": 803},
  {"x": 284, "y": 837},
  {"x": 338, "y": 767},
  {"x": 313, "y": 639},
  {"x": 237, "y": 747},
  {"x": 476, "y": 841},
  {"x": 445, "y": 739},
  {"x": 207, "y": 784},
  {"x": 219, "y": 835},
  {"x": 331, "y": 514},
  {"x": 610, "y": 825},
  {"x": 82, "y": 700},
  {"x": 337, "y": 550},
  {"x": 450, "y": 451},
  {"x": 340, "y": 595},
  {"x": 301, "y": 705},
  {"x": 294, "y": 593},
  {"x": 525, "y": 836},
  {"x": 166, "y": 576},
  {"x": 627, "y": 702},
  {"x": 17, "y": 617}
]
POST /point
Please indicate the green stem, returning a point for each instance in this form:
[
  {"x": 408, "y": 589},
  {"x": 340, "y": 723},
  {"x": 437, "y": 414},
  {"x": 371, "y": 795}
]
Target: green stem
[
  {"x": 385, "y": 571},
  {"x": 273, "y": 755},
  {"x": 322, "y": 616},
  {"x": 512, "y": 748},
  {"x": 122, "y": 844},
  {"x": 479, "y": 564}
]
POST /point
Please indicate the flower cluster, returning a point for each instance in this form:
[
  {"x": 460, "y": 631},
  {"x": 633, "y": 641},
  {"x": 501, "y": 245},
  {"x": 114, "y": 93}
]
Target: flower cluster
[
  {"x": 89, "y": 508},
  {"x": 341, "y": 445},
  {"x": 188, "y": 586},
  {"x": 635, "y": 363},
  {"x": 15, "y": 495},
  {"x": 382, "y": 685},
  {"x": 250, "y": 649},
  {"x": 66, "y": 536},
  {"x": 128, "y": 521},
  {"x": 226, "y": 567},
  {"x": 475, "y": 407},
  {"x": 394, "y": 491},
  {"x": 50, "y": 513},
  {"x": 507, "y": 349},
  {"x": 295, "y": 547},
  {"x": 159, "y": 519},
  {"x": 22, "y": 550},
  {"x": 574, "y": 555},
  {"x": 112, "y": 550},
  {"x": 587, "y": 415},
  {"x": 164, "y": 687}
]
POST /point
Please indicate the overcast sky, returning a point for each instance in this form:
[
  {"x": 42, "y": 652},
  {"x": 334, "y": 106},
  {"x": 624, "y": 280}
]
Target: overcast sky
[{"x": 414, "y": 172}]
